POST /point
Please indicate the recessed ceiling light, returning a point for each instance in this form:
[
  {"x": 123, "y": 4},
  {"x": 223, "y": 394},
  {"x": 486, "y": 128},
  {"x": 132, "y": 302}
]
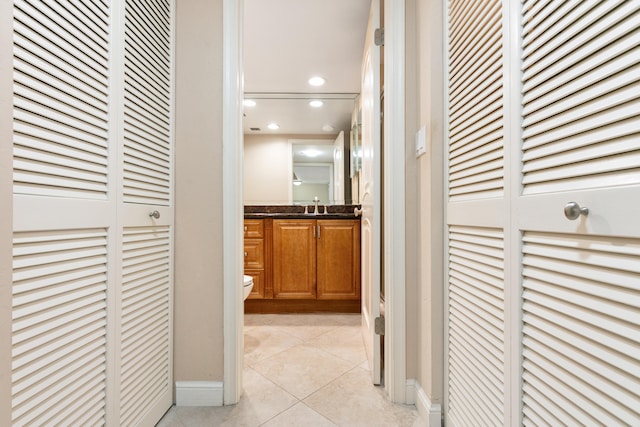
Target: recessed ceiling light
[
  {"x": 316, "y": 81},
  {"x": 316, "y": 103},
  {"x": 311, "y": 152},
  {"x": 273, "y": 126},
  {"x": 249, "y": 103},
  {"x": 327, "y": 128}
]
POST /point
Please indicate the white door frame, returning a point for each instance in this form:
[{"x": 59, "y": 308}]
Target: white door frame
[
  {"x": 395, "y": 357},
  {"x": 232, "y": 199},
  {"x": 394, "y": 224}
]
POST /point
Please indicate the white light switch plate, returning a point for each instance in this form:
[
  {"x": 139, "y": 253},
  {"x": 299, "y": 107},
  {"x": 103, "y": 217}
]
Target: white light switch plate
[{"x": 421, "y": 141}]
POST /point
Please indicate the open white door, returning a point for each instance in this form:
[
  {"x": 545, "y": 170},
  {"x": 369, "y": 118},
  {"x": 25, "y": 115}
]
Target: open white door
[
  {"x": 338, "y": 168},
  {"x": 370, "y": 186}
]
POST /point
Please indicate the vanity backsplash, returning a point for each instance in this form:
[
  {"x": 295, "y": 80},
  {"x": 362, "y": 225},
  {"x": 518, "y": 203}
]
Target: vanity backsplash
[
  {"x": 302, "y": 211},
  {"x": 298, "y": 209}
]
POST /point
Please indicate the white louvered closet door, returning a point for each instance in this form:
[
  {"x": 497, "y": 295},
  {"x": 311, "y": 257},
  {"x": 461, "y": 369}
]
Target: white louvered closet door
[
  {"x": 91, "y": 287},
  {"x": 477, "y": 326},
  {"x": 63, "y": 213},
  {"x": 581, "y": 278},
  {"x": 543, "y": 311},
  {"x": 146, "y": 389}
]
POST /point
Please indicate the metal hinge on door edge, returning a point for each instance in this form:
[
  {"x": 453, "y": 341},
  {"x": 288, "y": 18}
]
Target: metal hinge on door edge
[
  {"x": 378, "y": 325},
  {"x": 378, "y": 37}
]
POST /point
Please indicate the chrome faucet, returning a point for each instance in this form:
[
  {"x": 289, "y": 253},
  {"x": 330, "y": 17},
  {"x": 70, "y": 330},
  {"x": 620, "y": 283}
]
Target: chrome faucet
[{"x": 315, "y": 201}]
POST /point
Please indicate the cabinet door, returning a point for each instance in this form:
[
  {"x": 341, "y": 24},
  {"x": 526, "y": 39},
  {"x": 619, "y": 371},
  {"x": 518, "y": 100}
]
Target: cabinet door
[
  {"x": 294, "y": 259},
  {"x": 338, "y": 259}
]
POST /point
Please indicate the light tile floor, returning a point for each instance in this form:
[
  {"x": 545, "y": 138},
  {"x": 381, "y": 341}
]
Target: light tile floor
[{"x": 302, "y": 370}]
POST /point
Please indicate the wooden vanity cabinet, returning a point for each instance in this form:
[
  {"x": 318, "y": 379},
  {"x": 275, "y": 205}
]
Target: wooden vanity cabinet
[
  {"x": 254, "y": 256},
  {"x": 302, "y": 265},
  {"x": 316, "y": 259}
]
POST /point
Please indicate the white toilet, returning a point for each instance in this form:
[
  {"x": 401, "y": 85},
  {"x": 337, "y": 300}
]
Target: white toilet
[{"x": 247, "y": 285}]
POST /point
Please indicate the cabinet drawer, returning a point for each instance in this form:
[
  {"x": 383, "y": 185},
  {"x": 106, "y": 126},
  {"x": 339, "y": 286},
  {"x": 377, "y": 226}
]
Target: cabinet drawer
[
  {"x": 253, "y": 228},
  {"x": 254, "y": 253},
  {"x": 257, "y": 292}
]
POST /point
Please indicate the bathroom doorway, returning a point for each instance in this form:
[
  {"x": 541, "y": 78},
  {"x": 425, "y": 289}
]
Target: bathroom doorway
[
  {"x": 286, "y": 44},
  {"x": 233, "y": 315}
]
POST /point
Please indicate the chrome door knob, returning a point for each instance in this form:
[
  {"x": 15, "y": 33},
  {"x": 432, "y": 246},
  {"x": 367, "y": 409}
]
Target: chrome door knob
[
  {"x": 572, "y": 211},
  {"x": 154, "y": 214}
]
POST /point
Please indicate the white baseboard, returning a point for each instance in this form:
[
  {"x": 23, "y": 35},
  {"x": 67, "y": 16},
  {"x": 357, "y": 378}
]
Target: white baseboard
[
  {"x": 199, "y": 393},
  {"x": 410, "y": 394},
  {"x": 431, "y": 413}
]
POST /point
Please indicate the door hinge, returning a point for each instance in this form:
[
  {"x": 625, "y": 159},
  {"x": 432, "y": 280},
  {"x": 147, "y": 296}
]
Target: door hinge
[
  {"x": 378, "y": 325},
  {"x": 378, "y": 37}
]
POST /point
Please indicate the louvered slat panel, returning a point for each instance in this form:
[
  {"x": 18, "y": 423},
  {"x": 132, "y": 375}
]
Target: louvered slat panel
[
  {"x": 59, "y": 322},
  {"x": 145, "y": 321},
  {"x": 147, "y": 103},
  {"x": 476, "y": 134},
  {"x": 581, "y": 334},
  {"x": 476, "y": 326},
  {"x": 60, "y": 98},
  {"x": 581, "y": 99}
]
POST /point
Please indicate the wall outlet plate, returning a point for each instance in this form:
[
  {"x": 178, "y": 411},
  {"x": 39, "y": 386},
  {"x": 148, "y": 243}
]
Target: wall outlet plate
[{"x": 421, "y": 141}]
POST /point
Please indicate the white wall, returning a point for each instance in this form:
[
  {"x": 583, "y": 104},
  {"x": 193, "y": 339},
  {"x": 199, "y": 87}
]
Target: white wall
[
  {"x": 267, "y": 165},
  {"x": 198, "y": 292},
  {"x": 425, "y": 187}
]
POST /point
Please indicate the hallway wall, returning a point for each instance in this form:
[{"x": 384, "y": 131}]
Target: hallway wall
[
  {"x": 425, "y": 188},
  {"x": 198, "y": 314}
]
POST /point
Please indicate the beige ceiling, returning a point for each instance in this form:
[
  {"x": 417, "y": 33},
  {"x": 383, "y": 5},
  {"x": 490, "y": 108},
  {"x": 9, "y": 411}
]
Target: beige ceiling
[{"x": 288, "y": 41}]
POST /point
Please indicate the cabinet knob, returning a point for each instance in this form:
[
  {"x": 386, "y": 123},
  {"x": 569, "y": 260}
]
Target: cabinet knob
[
  {"x": 572, "y": 211},
  {"x": 245, "y": 254},
  {"x": 154, "y": 214}
]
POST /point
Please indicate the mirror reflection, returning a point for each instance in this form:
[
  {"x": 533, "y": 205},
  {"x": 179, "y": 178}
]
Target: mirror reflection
[
  {"x": 318, "y": 171},
  {"x": 279, "y": 170}
]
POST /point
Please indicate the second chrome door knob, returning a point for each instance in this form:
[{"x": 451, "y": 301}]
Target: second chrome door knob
[{"x": 572, "y": 211}]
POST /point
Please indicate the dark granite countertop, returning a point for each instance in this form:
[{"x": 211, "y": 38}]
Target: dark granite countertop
[{"x": 297, "y": 212}]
